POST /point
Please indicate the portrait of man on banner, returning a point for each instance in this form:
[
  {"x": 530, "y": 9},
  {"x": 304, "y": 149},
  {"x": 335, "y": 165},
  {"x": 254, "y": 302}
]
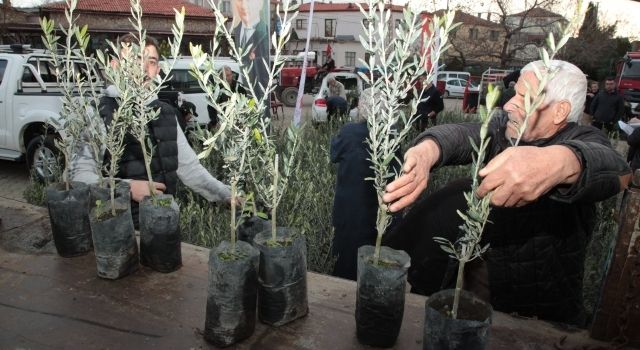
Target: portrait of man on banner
[{"x": 251, "y": 31}]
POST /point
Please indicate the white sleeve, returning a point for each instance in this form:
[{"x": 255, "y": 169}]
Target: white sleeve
[
  {"x": 82, "y": 167},
  {"x": 195, "y": 176}
]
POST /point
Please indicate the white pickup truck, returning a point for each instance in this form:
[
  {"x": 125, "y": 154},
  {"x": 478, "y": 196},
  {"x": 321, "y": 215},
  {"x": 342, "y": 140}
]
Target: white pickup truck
[{"x": 29, "y": 100}]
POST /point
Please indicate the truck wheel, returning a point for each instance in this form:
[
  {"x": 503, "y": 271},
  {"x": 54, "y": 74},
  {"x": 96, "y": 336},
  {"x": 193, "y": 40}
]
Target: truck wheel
[
  {"x": 289, "y": 96},
  {"x": 44, "y": 159}
]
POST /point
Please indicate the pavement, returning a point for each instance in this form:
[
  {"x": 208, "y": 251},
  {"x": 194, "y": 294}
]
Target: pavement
[{"x": 14, "y": 178}]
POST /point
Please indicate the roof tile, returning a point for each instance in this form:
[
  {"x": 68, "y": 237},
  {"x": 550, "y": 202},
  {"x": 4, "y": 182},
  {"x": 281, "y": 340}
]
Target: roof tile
[{"x": 149, "y": 7}]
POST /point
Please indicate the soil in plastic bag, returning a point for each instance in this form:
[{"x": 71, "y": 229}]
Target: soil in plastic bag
[
  {"x": 380, "y": 295},
  {"x": 470, "y": 331},
  {"x": 114, "y": 237},
  {"x": 69, "y": 216},
  {"x": 251, "y": 227},
  {"x": 232, "y": 294},
  {"x": 160, "y": 233},
  {"x": 282, "y": 290}
]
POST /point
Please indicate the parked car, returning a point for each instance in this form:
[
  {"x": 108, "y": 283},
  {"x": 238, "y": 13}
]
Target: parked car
[
  {"x": 353, "y": 87},
  {"x": 30, "y": 107},
  {"x": 456, "y": 87},
  {"x": 182, "y": 81},
  {"x": 447, "y": 75}
]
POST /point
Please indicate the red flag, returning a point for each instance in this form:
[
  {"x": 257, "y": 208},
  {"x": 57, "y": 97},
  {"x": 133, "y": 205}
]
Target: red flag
[{"x": 329, "y": 51}]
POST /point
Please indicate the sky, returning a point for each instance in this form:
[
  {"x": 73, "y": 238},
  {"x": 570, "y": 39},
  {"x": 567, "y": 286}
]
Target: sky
[{"x": 610, "y": 10}]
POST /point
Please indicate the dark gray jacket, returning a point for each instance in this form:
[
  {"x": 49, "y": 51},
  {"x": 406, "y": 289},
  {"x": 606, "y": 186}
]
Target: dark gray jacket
[
  {"x": 607, "y": 107},
  {"x": 536, "y": 254}
]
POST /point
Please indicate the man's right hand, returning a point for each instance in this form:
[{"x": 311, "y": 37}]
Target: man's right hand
[
  {"x": 418, "y": 162},
  {"x": 140, "y": 189}
]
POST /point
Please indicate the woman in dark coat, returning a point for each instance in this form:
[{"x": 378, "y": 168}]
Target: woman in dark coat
[{"x": 355, "y": 203}]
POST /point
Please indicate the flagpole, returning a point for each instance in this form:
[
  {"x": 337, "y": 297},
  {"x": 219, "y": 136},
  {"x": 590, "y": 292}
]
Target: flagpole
[{"x": 298, "y": 111}]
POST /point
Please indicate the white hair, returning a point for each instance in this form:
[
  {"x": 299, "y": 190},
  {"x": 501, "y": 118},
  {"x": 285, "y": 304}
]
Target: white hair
[{"x": 569, "y": 83}]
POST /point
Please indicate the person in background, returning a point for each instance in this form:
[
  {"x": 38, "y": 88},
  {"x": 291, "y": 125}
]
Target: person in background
[
  {"x": 592, "y": 91},
  {"x": 228, "y": 76},
  {"x": 336, "y": 98},
  {"x": 507, "y": 94},
  {"x": 355, "y": 204},
  {"x": 429, "y": 106},
  {"x": 607, "y": 107}
]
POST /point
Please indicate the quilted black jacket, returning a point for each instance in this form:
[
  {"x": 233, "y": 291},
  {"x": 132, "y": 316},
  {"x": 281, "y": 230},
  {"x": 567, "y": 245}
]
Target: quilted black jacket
[{"x": 537, "y": 251}]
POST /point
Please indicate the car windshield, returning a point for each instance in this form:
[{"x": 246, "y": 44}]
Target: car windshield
[
  {"x": 633, "y": 71},
  {"x": 350, "y": 83}
]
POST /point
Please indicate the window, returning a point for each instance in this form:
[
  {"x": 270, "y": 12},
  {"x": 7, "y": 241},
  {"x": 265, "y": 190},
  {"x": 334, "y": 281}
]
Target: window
[
  {"x": 301, "y": 23},
  {"x": 473, "y": 33},
  {"x": 182, "y": 80},
  {"x": 3, "y": 66},
  {"x": 330, "y": 27},
  {"x": 493, "y": 36},
  {"x": 225, "y": 6},
  {"x": 350, "y": 59}
]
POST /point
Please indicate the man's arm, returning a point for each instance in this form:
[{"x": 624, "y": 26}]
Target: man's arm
[
  {"x": 620, "y": 108},
  {"x": 437, "y": 146},
  {"x": 195, "y": 176},
  {"x": 584, "y": 168},
  {"x": 604, "y": 172}
]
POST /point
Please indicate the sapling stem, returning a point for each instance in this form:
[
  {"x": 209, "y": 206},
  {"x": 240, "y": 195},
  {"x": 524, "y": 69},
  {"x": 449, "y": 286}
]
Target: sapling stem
[
  {"x": 275, "y": 199},
  {"x": 112, "y": 192},
  {"x": 147, "y": 165},
  {"x": 234, "y": 194},
  {"x": 381, "y": 225},
  {"x": 456, "y": 293}
]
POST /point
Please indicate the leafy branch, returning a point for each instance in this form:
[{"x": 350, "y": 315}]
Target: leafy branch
[{"x": 399, "y": 60}]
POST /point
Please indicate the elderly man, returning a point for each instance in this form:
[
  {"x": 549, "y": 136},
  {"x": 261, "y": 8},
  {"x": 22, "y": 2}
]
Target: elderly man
[{"x": 543, "y": 195}]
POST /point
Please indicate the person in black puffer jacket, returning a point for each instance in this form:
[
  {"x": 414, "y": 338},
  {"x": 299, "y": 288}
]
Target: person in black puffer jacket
[
  {"x": 172, "y": 159},
  {"x": 542, "y": 195},
  {"x": 607, "y": 107}
]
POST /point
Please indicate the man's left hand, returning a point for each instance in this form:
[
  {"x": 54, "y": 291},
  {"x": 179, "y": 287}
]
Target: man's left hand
[{"x": 520, "y": 175}]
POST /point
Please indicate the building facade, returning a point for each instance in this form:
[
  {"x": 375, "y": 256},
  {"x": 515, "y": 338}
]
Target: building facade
[
  {"x": 335, "y": 25},
  {"x": 536, "y": 24},
  {"x": 475, "y": 43}
]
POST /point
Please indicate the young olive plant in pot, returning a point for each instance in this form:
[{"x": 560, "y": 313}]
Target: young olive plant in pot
[
  {"x": 456, "y": 319},
  {"x": 159, "y": 215},
  {"x": 111, "y": 220},
  {"x": 68, "y": 202},
  {"x": 282, "y": 290},
  {"x": 382, "y": 271},
  {"x": 233, "y": 265}
]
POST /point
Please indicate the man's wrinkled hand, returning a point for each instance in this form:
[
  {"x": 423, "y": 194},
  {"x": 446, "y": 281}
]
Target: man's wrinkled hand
[
  {"x": 415, "y": 175},
  {"x": 521, "y": 175},
  {"x": 140, "y": 189}
]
